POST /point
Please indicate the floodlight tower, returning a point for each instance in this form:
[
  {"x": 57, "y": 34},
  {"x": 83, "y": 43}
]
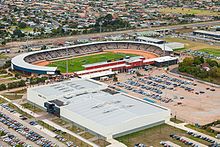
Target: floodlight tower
[{"x": 67, "y": 62}]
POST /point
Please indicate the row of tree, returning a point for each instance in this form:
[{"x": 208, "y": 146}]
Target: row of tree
[{"x": 16, "y": 84}]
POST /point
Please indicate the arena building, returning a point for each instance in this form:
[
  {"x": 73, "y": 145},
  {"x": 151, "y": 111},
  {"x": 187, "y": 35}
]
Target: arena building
[
  {"x": 92, "y": 105},
  {"x": 25, "y": 62}
]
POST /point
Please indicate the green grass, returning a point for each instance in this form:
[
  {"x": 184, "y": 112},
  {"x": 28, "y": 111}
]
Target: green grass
[
  {"x": 60, "y": 121},
  {"x": 201, "y": 130},
  {"x": 215, "y": 52},
  {"x": 2, "y": 101},
  {"x": 153, "y": 136},
  {"x": 189, "y": 44},
  {"x": 74, "y": 129},
  {"x": 189, "y": 11},
  {"x": 4, "y": 76},
  {"x": 27, "y": 29},
  {"x": 2, "y": 56},
  {"x": 12, "y": 96},
  {"x": 19, "y": 110},
  {"x": 64, "y": 135},
  {"x": 101, "y": 142},
  {"x": 32, "y": 107},
  {"x": 87, "y": 135},
  {"x": 75, "y": 64},
  {"x": 177, "y": 121}
]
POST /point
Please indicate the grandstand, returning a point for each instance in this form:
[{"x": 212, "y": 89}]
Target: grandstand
[{"x": 24, "y": 62}]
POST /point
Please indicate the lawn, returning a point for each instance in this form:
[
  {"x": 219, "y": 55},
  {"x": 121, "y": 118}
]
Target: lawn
[
  {"x": 189, "y": 11},
  {"x": 177, "y": 121},
  {"x": 201, "y": 130},
  {"x": 63, "y": 134},
  {"x": 2, "y": 56},
  {"x": 19, "y": 110},
  {"x": 153, "y": 136},
  {"x": 215, "y": 52},
  {"x": 12, "y": 96},
  {"x": 2, "y": 101},
  {"x": 32, "y": 107},
  {"x": 76, "y": 64},
  {"x": 60, "y": 121}
]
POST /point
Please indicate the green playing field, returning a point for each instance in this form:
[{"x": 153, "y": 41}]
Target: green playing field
[{"x": 76, "y": 64}]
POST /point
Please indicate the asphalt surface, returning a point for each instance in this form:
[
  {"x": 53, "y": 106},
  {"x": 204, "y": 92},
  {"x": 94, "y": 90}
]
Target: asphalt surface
[{"x": 32, "y": 128}]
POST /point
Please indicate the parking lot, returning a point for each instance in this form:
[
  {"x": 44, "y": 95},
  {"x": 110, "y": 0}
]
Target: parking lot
[
  {"x": 18, "y": 125},
  {"x": 190, "y": 101}
]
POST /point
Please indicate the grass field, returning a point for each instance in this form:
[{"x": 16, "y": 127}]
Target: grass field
[
  {"x": 12, "y": 96},
  {"x": 75, "y": 64},
  {"x": 192, "y": 44},
  {"x": 189, "y": 11},
  {"x": 215, "y": 52},
  {"x": 153, "y": 136}
]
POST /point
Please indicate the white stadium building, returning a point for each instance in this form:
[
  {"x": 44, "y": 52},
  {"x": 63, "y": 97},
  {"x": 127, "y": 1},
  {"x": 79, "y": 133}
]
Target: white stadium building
[{"x": 92, "y": 105}]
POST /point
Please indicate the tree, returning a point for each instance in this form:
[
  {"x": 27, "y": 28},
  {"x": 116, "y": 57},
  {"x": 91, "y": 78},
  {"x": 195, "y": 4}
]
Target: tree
[
  {"x": 197, "y": 61},
  {"x": 3, "y": 42},
  {"x": 2, "y": 87},
  {"x": 22, "y": 25},
  {"x": 17, "y": 32}
]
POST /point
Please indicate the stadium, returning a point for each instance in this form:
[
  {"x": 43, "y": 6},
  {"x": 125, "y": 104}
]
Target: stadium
[{"x": 149, "y": 53}]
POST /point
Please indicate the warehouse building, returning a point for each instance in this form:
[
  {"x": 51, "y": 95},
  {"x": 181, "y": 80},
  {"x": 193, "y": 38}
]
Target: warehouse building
[{"x": 98, "y": 109}]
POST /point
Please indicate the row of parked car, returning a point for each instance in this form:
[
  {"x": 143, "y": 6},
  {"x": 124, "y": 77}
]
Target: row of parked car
[
  {"x": 26, "y": 132},
  {"x": 183, "y": 140},
  {"x": 8, "y": 108},
  {"x": 11, "y": 139},
  {"x": 141, "y": 90},
  {"x": 165, "y": 144},
  {"x": 169, "y": 81},
  {"x": 62, "y": 139},
  {"x": 201, "y": 137},
  {"x": 200, "y": 53}
]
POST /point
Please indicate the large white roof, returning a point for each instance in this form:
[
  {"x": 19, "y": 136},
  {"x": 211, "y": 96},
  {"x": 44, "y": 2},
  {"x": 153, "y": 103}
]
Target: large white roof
[{"x": 102, "y": 112}]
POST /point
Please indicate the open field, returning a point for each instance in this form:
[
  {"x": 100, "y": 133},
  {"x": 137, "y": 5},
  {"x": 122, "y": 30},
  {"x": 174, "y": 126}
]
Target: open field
[
  {"x": 192, "y": 44},
  {"x": 214, "y": 51},
  {"x": 76, "y": 64},
  {"x": 153, "y": 136},
  {"x": 189, "y": 11}
]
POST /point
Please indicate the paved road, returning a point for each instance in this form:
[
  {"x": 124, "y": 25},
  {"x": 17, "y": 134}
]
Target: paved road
[{"x": 52, "y": 40}]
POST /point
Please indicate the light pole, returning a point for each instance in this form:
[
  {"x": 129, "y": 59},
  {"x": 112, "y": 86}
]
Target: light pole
[{"x": 100, "y": 26}]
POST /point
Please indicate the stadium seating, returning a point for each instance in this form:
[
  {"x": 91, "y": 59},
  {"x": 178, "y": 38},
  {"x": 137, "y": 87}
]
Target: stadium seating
[{"x": 93, "y": 48}]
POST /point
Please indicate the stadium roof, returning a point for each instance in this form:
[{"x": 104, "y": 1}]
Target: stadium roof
[
  {"x": 150, "y": 39},
  {"x": 165, "y": 58},
  {"x": 207, "y": 32}
]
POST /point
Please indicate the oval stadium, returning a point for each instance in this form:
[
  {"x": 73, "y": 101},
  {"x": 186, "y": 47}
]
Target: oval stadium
[{"x": 27, "y": 62}]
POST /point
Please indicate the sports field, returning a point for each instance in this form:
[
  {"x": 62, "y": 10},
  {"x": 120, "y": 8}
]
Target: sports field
[
  {"x": 189, "y": 11},
  {"x": 75, "y": 64}
]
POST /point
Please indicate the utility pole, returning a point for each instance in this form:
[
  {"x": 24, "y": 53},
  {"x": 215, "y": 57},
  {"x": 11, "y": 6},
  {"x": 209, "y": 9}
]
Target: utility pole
[{"x": 100, "y": 26}]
